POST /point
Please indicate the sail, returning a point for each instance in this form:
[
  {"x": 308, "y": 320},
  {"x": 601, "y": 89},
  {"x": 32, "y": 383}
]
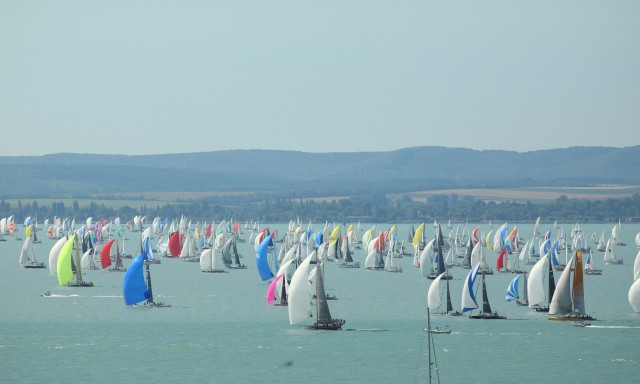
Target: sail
[
  {"x": 261, "y": 259},
  {"x": 486, "y": 308},
  {"x": 433, "y": 296},
  {"x": 577, "y": 293},
  {"x": 488, "y": 241},
  {"x": 271, "y": 296},
  {"x": 24, "y": 253},
  {"x": 299, "y": 308},
  {"x": 637, "y": 240},
  {"x": 417, "y": 237},
  {"x": 535, "y": 287},
  {"x": 561, "y": 302},
  {"x": 205, "y": 260},
  {"x": 476, "y": 254},
  {"x": 634, "y": 296},
  {"x": 174, "y": 244},
  {"x": 370, "y": 261},
  {"x": 53, "y": 255},
  {"x": 334, "y": 234},
  {"x": 134, "y": 288},
  {"x": 105, "y": 254},
  {"x": 512, "y": 291},
  {"x": 500, "y": 262},
  {"x": 86, "y": 259},
  {"x": 636, "y": 267},
  {"x": 323, "y": 313},
  {"x": 425, "y": 259},
  {"x": 468, "y": 297},
  {"x": 65, "y": 273},
  {"x": 439, "y": 253}
]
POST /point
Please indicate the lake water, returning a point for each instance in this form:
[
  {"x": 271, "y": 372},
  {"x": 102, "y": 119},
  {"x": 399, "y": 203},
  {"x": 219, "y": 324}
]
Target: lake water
[{"x": 220, "y": 328}]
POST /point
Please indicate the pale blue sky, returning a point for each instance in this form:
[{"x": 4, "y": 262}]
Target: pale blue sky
[{"x": 141, "y": 77}]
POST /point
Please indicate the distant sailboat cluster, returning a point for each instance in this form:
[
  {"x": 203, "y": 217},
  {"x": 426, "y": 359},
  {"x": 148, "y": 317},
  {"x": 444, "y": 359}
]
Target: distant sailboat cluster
[{"x": 293, "y": 262}]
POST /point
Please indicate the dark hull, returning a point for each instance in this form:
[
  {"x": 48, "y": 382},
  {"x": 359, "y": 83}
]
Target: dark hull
[
  {"x": 487, "y": 316},
  {"x": 34, "y": 265},
  {"x": 335, "y": 325}
]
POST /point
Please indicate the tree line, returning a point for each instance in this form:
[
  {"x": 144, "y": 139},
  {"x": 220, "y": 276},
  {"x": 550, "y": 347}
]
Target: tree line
[{"x": 372, "y": 207}]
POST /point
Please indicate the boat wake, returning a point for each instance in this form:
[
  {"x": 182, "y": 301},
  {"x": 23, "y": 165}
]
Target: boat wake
[
  {"x": 612, "y": 326},
  {"x": 366, "y": 330},
  {"x": 56, "y": 295}
]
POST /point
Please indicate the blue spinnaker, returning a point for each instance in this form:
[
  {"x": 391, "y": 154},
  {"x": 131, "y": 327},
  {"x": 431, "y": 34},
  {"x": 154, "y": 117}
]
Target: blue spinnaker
[
  {"x": 134, "y": 288},
  {"x": 512, "y": 291},
  {"x": 261, "y": 259},
  {"x": 554, "y": 259}
]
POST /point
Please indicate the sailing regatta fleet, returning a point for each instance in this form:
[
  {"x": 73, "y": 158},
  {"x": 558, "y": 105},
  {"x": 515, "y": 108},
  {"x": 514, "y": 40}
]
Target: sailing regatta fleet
[{"x": 293, "y": 263}]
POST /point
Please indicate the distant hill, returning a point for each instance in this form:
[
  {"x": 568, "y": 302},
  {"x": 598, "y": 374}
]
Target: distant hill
[{"x": 66, "y": 174}]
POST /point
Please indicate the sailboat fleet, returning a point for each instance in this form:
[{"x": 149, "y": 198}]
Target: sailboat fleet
[{"x": 293, "y": 263}]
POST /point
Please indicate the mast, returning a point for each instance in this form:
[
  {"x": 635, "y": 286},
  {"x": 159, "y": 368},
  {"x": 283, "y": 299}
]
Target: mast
[
  {"x": 148, "y": 279},
  {"x": 429, "y": 340},
  {"x": 78, "y": 267},
  {"x": 552, "y": 283}
]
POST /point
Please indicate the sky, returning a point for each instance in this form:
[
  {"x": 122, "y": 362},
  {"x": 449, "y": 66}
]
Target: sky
[{"x": 155, "y": 77}]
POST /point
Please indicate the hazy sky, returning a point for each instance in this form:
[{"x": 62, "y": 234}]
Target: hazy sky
[{"x": 141, "y": 77}]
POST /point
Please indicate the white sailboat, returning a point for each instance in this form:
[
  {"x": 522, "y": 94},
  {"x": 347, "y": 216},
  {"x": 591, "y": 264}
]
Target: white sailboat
[
  {"x": 610, "y": 255},
  {"x": 27, "y": 254},
  {"x": 567, "y": 303}
]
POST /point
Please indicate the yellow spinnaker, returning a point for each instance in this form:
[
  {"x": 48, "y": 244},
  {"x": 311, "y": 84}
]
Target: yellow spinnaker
[
  {"x": 334, "y": 234},
  {"x": 488, "y": 241},
  {"x": 28, "y": 230},
  {"x": 418, "y": 236},
  {"x": 65, "y": 274}
]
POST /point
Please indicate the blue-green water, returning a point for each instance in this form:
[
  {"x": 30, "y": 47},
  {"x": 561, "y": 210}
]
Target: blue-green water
[{"x": 221, "y": 329}]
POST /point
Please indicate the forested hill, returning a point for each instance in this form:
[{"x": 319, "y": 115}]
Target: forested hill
[{"x": 66, "y": 174}]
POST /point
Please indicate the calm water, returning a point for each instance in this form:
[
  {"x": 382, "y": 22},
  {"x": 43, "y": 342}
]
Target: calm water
[{"x": 220, "y": 327}]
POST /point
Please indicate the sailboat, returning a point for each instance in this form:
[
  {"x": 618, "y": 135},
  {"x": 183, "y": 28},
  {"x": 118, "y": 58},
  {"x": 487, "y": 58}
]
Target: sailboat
[
  {"x": 65, "y": 270},
  {"x": 589, "y": 269},
  {"x": 567, "y": 303},
  {"x": 440, "y": 256},
  {"x": 136, "y": 286},
  {"x": 610, "y": 255},
  {"x": 299, "y": 308},
  {"x": 486, "y": 312},
  {"x": 434, "y": 297},
  {"x": 211, "y": 261},
  {"x": 433, "y": 301},
  {"x": 512, "y": 291},
  {"x": 536, "y": 287},
  {"x": 27, "y": 254}
]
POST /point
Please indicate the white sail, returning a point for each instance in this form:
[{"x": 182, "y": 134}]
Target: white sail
[
  {"x": 24, "y": 253},
  {"x": 468, "y": 298},
  {"x": 205, "y": 260},
  {"x": 476, "y": 254},
  {"x": 636, "y": 267},
  {"x": 186, "y": 248},
  {"x": 217, "y": 264},
  {"x": 299, "y": 308},
  {"x": 638, "y": 240},
  {"x": 370, "y": 261},
  {"x": 53, "y": 255},
  {"x": 426, "y": 266},
  {"x": 284, "y": 269},
  {"x": 634, "y": 296},
  {"x": 561, "y": 303},
  {"x": 433, "y": 296},
  {"x": 523, "y": 252},
  {"x": 86, "y": 260},
  {"x": 534, "y": 285}
]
